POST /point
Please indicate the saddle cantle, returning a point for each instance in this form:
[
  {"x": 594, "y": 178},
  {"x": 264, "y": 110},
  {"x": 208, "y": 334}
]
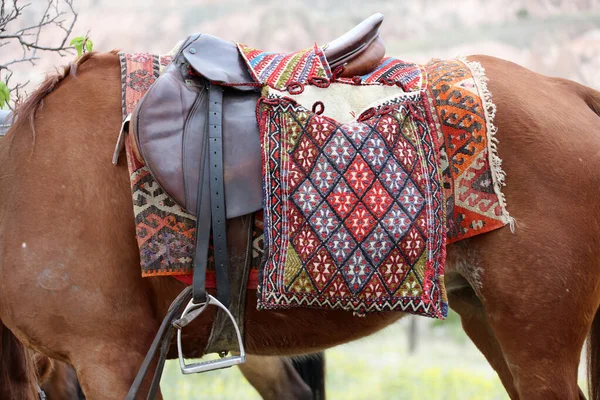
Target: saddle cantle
[
  {"x": 168, "y": 123},
  {"x": 360, "y": 49}
]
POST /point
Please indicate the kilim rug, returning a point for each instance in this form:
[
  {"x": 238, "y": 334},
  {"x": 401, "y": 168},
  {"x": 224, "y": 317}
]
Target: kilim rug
[
  {"x": 361, "y": 198},
  {"x": 164, "y": 231}
]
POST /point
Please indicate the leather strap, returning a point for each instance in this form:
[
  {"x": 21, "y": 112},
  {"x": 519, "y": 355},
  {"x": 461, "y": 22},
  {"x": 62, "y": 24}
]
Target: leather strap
[
  {"x": 223, "y": 336},
  {"x": 203, "y": 221},
  {"x": 217, "y": 191},
  {"x": 164, "y": 335},
  {"x": 211, "y": 207}
]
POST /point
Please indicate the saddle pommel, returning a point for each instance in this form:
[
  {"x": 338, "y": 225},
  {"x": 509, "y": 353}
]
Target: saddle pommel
[{"x": 360, "y": 49}]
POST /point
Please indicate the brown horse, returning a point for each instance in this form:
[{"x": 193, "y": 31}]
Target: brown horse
[{"x": 70, "y": 285}]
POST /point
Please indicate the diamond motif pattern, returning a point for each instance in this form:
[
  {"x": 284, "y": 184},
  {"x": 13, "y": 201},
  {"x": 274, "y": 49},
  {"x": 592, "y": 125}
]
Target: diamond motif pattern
[
  {"x": 412, "y": 245},
  {"x": 305, "y": 242},
  {"x": 339, "y": 150},
  {"x": 354, "y": 227},
  {"x": 388, "y": 128},
  {"x": 356, "y": 271},
  {"x": 360, "y": 222},
  {"x": 356, "y": 132},
  {"x": 323, "y": 175},
  {"x": 305, "y": 154},
  {"x": 324, "y": 221},
  {"x": 359, "y": 176},
  {"x": 394, "y": 270},
  {"x": 396, "y": 222},
  {"x": 342, "y": 199},
  {"x": 375, "y": 152},
  {"x": 411, "y": 199},
  {"x": 341, "y": 245},
  {"x": 296, "y": 218},
  {"x": 321, "y": 268},
  {"x": 406, "y": 154},
  {"x": 295, "y": 175},
  {"x": 319, "y": 128},
  {"x": 378, "y": 200},
  {"x": 393, "y": 177},
  {"x": 307, "y": 198},
  {"x": 338, "y": 288},
  {"x": 377, "y": 245}
]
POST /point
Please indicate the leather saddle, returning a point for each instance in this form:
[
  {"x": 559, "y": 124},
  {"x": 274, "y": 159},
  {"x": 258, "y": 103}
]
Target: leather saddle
[{"x": 169, "y": 122}]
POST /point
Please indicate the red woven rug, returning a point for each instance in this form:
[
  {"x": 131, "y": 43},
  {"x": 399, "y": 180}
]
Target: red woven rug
[{"x": 362, "y": 195}]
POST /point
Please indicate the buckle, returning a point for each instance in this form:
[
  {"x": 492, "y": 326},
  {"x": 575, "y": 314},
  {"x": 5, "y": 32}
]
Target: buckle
[{"x": 191, "y": 311}]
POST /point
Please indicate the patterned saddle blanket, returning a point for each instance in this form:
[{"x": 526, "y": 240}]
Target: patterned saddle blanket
[{"x": 366, "y": 179}]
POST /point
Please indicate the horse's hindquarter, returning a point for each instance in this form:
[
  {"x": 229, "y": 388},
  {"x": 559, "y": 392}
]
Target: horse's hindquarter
[
  {"x": 539, "y": 285},
  {"x": 549, "y": 141}
]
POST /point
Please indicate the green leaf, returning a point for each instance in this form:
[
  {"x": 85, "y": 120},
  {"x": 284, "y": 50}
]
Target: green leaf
[
  {"x": 4, "y": 95},
  {"x": 89, "y": 46},
  {"x": 78, "y": 43}
]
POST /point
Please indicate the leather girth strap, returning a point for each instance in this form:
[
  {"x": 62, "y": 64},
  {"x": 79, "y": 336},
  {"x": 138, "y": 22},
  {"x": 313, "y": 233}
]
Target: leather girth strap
[{"x": 211, "y": 205}]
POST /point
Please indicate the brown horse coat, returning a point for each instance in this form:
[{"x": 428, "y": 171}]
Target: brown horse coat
[{"x": 70, "y": 286}]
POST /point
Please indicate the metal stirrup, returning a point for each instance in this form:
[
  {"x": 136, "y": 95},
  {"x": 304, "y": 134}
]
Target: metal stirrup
[{"x": 193, "y": 310}]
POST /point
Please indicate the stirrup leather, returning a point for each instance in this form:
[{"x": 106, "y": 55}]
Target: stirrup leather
[{"x": 193, "y": 310}]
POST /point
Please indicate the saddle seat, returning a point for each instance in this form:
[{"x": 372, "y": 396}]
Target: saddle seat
[{"x": 169, "y": 122}]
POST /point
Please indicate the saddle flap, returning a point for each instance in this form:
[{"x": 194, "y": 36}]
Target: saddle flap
[
  {"x": 169, "y": 126},
  {"x": 219, "y": 61}
]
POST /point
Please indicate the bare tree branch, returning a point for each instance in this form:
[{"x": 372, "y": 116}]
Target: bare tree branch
[{"x": 55, "y": 19}]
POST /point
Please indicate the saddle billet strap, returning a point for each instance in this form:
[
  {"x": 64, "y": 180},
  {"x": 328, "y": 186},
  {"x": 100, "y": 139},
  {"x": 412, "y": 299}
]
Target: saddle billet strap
[
  {"x": 203, "y": 222},
  {"x": 211, "y": 205},
  {"x": 164, "y": 335},
  {"x": 217, "y": 191}
]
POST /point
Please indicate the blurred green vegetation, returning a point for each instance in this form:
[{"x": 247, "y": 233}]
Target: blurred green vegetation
[
  {"x": 445, "y": 366},
  {"x": 348, "y": 379}
]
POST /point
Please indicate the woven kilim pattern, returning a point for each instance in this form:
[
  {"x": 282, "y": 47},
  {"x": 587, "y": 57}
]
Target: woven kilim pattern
[
  {"x": 278, "y": 70},
  {"x": 391, "y": 71},
  {"x": 164, "y": 231},
  {"x": 355, "y": 216},
  {"x": 472, "y": 173}
]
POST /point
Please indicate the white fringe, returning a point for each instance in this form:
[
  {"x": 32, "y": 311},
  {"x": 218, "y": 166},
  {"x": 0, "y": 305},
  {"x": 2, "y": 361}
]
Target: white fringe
[{"x": 498, "y": 175}]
